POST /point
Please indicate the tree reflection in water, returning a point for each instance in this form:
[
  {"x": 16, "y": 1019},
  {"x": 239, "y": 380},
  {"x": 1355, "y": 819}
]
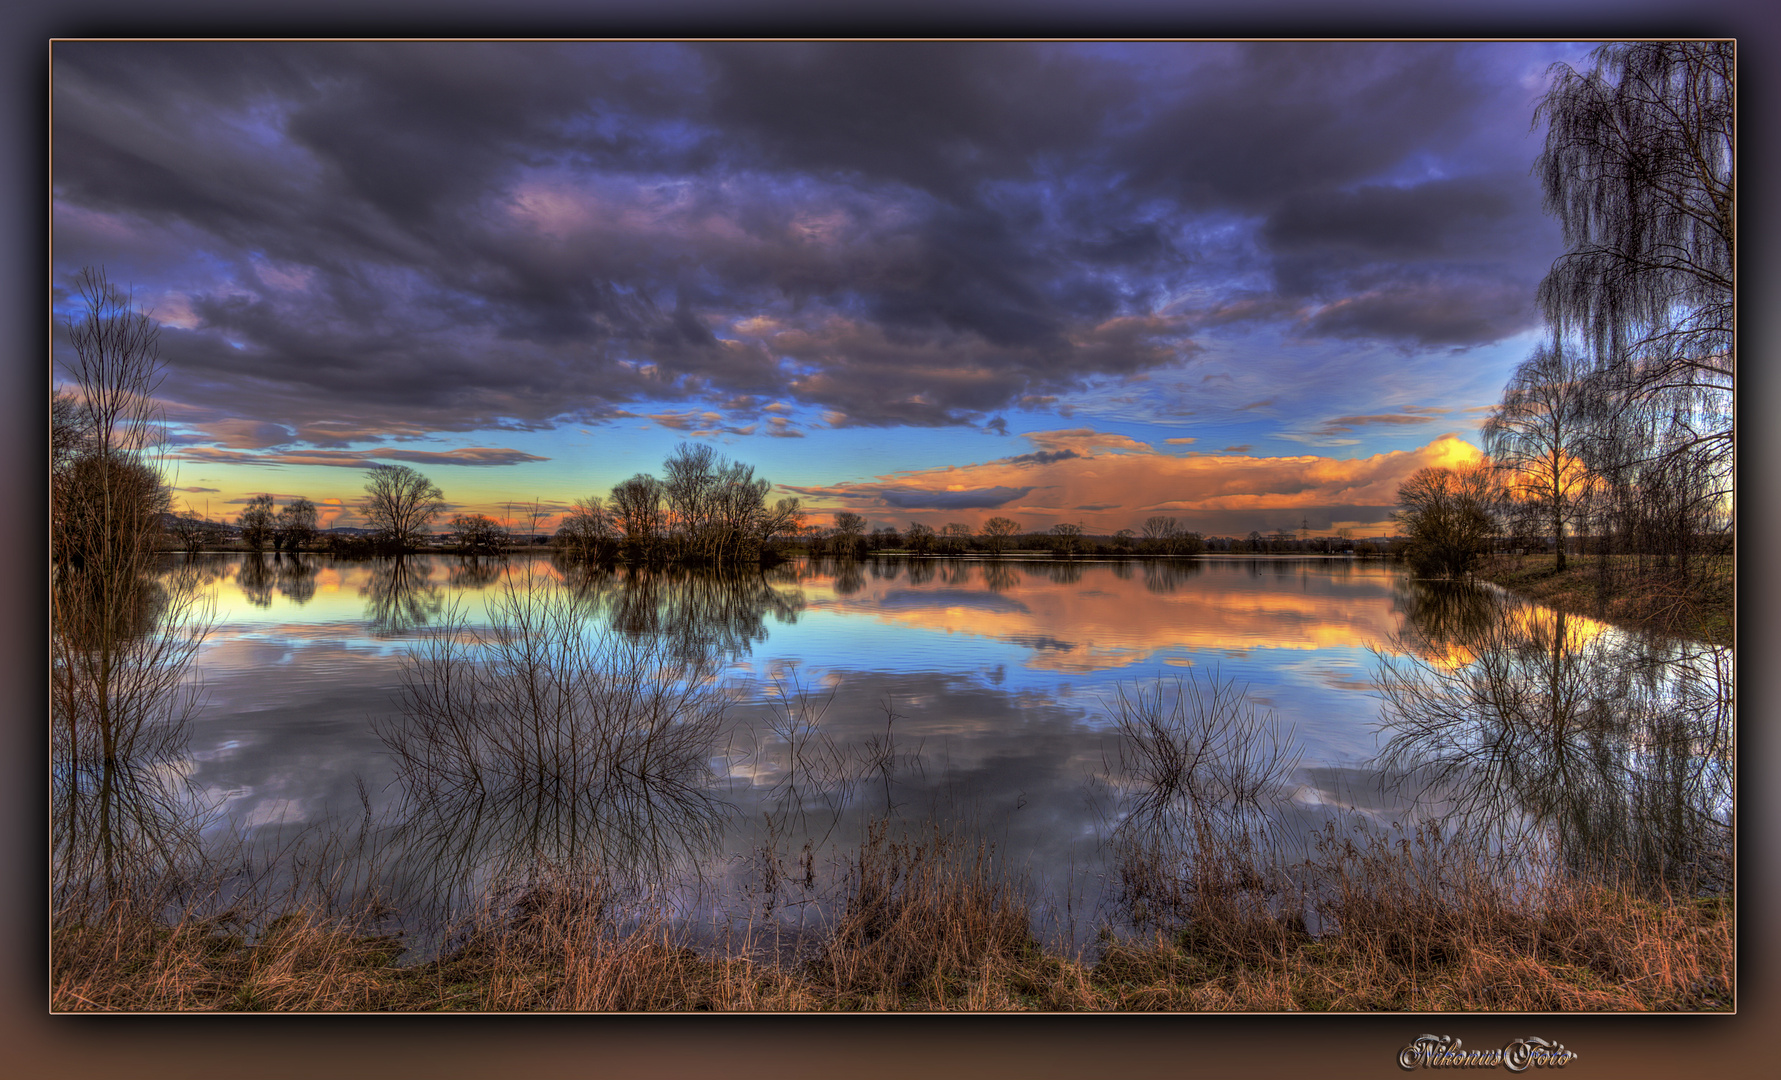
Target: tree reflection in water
[
  {"x": 296, "y": 578},
  {"x": 711, "y": 614},
  {"x": 1540, "y": 732},
  {"x": 290, "y": 575},
  {"x": 1166, "y": 576},
  {"x": 1061, "y": 573},
  {"x": 548, "y": 745},
  {"x": 475, "y": 572},
  {"x": 702, "y": 613},
  {"x": 999, "y": 576},
  {"x": 255, "y": 580},
  {"x": 399, "y": 597},
  {"x": 921, "y": 571},
  {"x": 124, "y": 820},
  {"x": 848, "y": 577}
]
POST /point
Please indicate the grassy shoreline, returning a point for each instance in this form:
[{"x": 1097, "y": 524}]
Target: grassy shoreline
[
  {"x": 1699, "y": 607},
  {"x": 1606, "y": 952},
  {"x": 930, "y": 925}
]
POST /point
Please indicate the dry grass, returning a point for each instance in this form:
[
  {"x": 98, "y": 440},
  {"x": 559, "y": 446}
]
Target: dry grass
[
  {"x": 128, "y": 960},
  {"x": 1407, "y": 923},
  {"x": 1423, "y": 923},
  {"x": 924, "y": 920},
  {"x": 1417, "y": 924}
]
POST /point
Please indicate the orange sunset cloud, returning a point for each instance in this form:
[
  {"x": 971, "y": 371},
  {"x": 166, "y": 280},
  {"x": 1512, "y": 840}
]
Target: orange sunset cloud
[{"x": 1109, "y": 482}]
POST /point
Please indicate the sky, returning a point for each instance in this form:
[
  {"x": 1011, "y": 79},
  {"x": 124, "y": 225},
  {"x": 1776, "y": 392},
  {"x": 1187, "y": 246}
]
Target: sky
[{"x": 1250, "y": 285}]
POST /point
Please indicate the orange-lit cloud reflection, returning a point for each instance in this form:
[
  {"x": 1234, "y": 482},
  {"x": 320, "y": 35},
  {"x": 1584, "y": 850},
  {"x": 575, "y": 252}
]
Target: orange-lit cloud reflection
[
  {"x": 1521, "y": 625},
  {"x": 1222, "y": 608}
]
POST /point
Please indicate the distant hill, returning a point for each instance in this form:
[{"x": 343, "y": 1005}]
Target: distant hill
[{"x": 223, "y": 527}]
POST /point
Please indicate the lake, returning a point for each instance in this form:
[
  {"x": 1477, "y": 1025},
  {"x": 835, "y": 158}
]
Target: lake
[{"x": 976, "y": 695}]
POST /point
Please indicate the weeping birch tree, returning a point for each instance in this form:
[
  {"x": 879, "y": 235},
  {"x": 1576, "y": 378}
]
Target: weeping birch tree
[{"x": 1639, "y": 168}]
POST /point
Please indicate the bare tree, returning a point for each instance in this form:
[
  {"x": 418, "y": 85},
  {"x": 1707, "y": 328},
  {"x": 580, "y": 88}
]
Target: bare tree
[
  {"x": 996, "y": 532},
  {"x": 116, "y": 365},
  {"x": 1639, "y": 168},
  {"x": 256, "y": 522},
  {"x": 1450, "y": 515},
  {"x": 1162, "y": 533},
  {"x": 637, "y": 506},
  {"x": 68, "y": 433},
  {"x": 738, "y": 515},
  {"x": 107, "y": 496},
  {"x": 296, "y": 525},
  {"x": 851, "y": 529},
  {"x": 478, "y": 534},
  {"x": 690, "y": 477},
  {"x": 785, "y": 519},
  {"x": 1538, "y": 435},
  {"x": 399, "y": 503},
  {"x": 1066, "y": 537},
  {"x": 717, "y": 508},
  {"x": 1652, "y": 499},
  {"x": 191, "y": 532},
  {"x": 955, "y": 538},
  {"x": 588, "y": 531},
  {"x": 921, "y": 538}
]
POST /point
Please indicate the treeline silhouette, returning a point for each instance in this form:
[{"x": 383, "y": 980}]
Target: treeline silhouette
[
  {"x": 705, "y": 510},
  {"x": 1158, "y": 535}
]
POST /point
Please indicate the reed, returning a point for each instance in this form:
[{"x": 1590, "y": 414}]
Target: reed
[{"x": 927, "y": 922}]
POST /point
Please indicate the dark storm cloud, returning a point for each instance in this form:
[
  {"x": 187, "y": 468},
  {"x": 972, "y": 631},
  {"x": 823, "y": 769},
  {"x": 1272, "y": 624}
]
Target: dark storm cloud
[
  {"x": 939, "y": 117},
  {"x": 1042, "y": 457},
  {"x": 1455, "y": 312},
  {"x": 1257, "y": 124},
  {"x": 979, "y": 499},
  {"x": 1342, "y": 424},
  {"x": 365, "y": 242},
  {"x": 469, "y": 455},
  {"x": 1449, "y": 262},
  {"x": 476, "y": 456},
  {"x": 1458, "y": 217}
]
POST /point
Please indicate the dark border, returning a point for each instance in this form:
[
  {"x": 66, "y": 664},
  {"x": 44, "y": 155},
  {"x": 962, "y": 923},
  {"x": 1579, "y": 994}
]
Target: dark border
[{"x": 32, "y": 1043}]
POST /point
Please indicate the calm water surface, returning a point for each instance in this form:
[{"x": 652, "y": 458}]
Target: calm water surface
[{"x": 961, "y": 691}]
